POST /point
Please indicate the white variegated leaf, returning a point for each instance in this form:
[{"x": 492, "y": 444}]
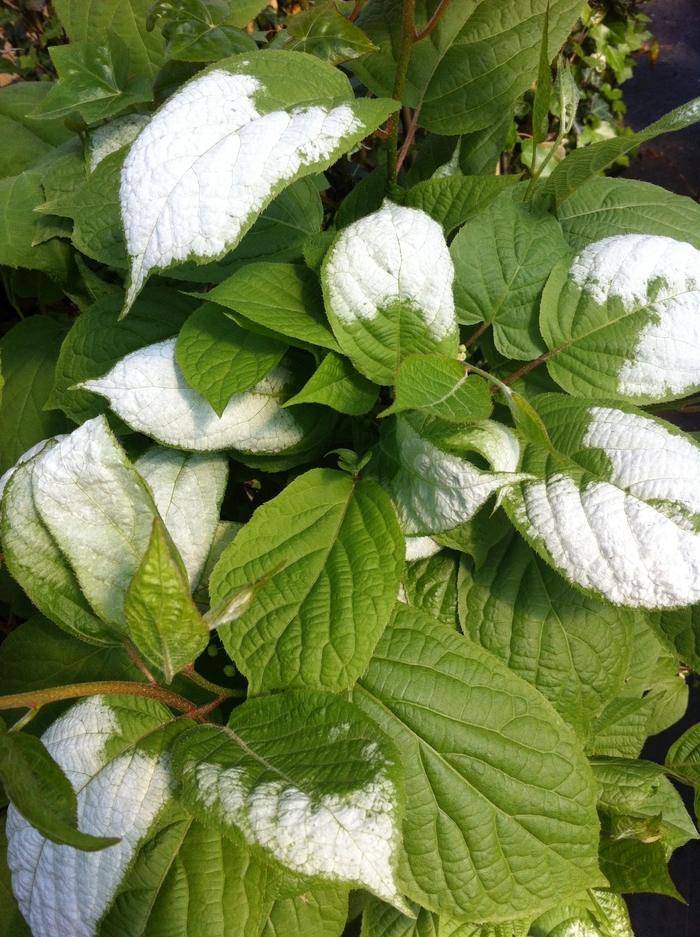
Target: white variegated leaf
[
  {"x": 435, "y": 490},
  {"x": 420, "y": 548},
  {"x": 188, "y": 489},
  {"x": 148, "y": 391},
  {"x": 25, "y": 457},
  {"x": 619, "y": 513},
  {"x": 99, "y": 511},
  {"x": 112, "y": 136},
  {"x": 388, "y": 285},
  {"x": 224, "y": 145},
  {"x": 113, "y": 753}
]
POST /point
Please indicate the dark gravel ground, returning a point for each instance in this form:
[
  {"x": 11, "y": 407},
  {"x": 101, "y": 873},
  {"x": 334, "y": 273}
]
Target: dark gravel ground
[{"x": 671, "y": 161}]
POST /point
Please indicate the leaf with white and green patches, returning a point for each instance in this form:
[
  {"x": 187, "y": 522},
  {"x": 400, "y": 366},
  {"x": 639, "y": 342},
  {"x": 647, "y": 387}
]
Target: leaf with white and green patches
[
  {"x": 283, "y": 297},
  {"x": 574, "y": 649},
  {"x": 161, "y": 618},
  {"x": 502, "y": 259},
  {"x": 197, "y": 30},
  {"x": 432, "y": 489},
  {"x": 632, "y": 867},
  {"x": 220, "y": 359},
  {"x": 93, "y": 80},
  {"x": 600, "y": 914},
  {"x": 318, "y": 620},
  {"x": 98, "y": 340},
  {"x": 431, "y": 585},
  {"x": 36, "y": 562},
  {"x": 225, "y": 533},
  {"x": 440, "y": 387},
  {"x": 613, "y": 504},
  {"x": 308, "y": 781},
  {"x": 29, "y": 353},
  {"x": 105, "y": 139},
  {"x": 605, "y": 207},
  {"x": 455, "y": 199},
  {"x": 317, "y": 913},
  {"x": 474, "y": 64},
  {"x": 324, "y": 32},
  {"x": 337, "y": 384},
  {"x": 149, "y": 392},
  {"x": 98, "y": 510},
  {"x": 382, "y": 920},
  {"x": 638, "y": 298},
  {"x": 500, "y": 818},
  {"x": 188, "y": 489},
  {"x": 41, "y": 793},
  {"x": 114, "y": 751},
  {"x": 387, "y": 282},
  {"x": 189, "y": 151}
]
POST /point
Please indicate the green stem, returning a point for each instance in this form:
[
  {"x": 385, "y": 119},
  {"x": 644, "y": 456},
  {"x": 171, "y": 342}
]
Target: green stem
[
  {"x": 498, "y": 384},
  {"x": 222, "y": 691},
  {"x": 37, "y": 698},
  {"x": 407, "y": 40},
  {"x": 23, "y": 720}
]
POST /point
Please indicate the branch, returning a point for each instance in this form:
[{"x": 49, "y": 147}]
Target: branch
[
  {"x": 407, "y": 32},
  {"x": 531, "y": 365},
  {"x": 108, "y": 687},
  {"x": 432, "y": 22},
  {"x": 409, "y": 138},
  {"x": 222, "y": 691}
]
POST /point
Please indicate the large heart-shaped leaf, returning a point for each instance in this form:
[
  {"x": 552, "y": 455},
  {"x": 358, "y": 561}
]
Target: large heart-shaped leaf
[{"x": 222, "y": 147}]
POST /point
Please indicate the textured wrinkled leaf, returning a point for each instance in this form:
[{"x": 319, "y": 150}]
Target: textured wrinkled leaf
[
  {"x": 683, "y": 756},
  {"x": 188, "y": 489},
  {"x": 600, "y": 914},
  {"x": 306, "y": 780},
  {"x": 500, "y": 814},
  {"x": 431, "y": 584},
  {"x": 39, "y": 791},
  {"x": 98, "y": 340},
  {"x": 12, "y": 924},
  {"x": 631, "y": 867},
  {"x": 338, "y": 385},
  {"x": 197, "y": 30},
  {"x": 94, "y": 80},
  {"x": 432, "y": 489},
  {"x": 475, "y": 63},
  {"x": 314, "y": 914},
  {"x": 149, "y": 392},
  {"x": 624, "y": 784},
  {"x": 114, "y": 753},
  {"x": 318, "y": 620},
  {"x": 98, "y": 510},
  {"x": 220, "y": 359},
  {"x": 440, "y": 387},
  {"x": 322, "y": 31},
  {"x": 193, "y": 154},
  {"x": 451, "y": 927},
  {"x": 29, "y": 353},
  {"x": 387, "y": 282},
  {"x": 455, "y": 199},
  {"x": 105, "y": 139},
  {"x": 476, "y": 536},
  {"x": 637, "y": 297},
  {"x": 502, "y": 260},
  {"x": 613, "y": 512},
  {"x": 283, "y": 297},
  {"x": 382, "y": 920},
  {"x": 574, "y": 649}
]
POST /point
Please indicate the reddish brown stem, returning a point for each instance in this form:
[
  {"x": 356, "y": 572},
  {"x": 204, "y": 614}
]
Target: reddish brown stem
[
  {"x": 107, "y": 687},
  {"x": 140, "y": 664},
  {"x": 479, "y": 332},
  {"x": 530, "y": 366},
  {"x": 409, "y": 139},
  {"x": 432, "y": 22},
  {"x": 356, "y": 10}
]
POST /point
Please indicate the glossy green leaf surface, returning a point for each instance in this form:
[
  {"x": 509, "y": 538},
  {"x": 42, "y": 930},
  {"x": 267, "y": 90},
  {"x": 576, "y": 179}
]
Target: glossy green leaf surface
[
  {"x": 455, "y": 199},
  {"x": 325, "y": 33},
  {"x": 441, "y": 387},
  {"x": 338, "y": 385},
  {"x": 198, "y": 31}
]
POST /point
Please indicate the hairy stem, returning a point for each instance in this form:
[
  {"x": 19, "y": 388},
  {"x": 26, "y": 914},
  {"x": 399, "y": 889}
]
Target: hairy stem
[
  {"x": 108, "y": 687},
  {"x": 140, "y": 664},
  {"x": 407, "y": 32},
  {"x": 531, "y": 365},
  {"x": 432, "y": 22},
  {"x": 222, "y": 691}
]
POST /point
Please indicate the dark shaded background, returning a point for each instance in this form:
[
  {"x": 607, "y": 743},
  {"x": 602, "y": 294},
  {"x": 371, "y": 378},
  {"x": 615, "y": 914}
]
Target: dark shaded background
[{"x": 671, "y": 161}]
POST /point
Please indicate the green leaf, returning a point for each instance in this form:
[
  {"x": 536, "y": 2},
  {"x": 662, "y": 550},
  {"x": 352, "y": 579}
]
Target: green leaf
[
  {"x": 197, "y": 30},
  {"x": 36, "y": 562},
  {"x": 502, "y": 260},
  {"x": 382, "y": 920},
  {"x": 307, "y": 781},
  {"x": 621, "y": 729},
  {"x": 161, "y": 617},
  {"x": 611, "y": 503},
  {"x": 604, "y": 207},
  {"x": 574, "y": 649},
  {"x": 224, "y": 534},
  {"x": 634, "y": 296},
  {"x": 17, "y": 101},
  {"x": 220, "y": 359},
  {"x": 431, "y": 584},
  {"x": 683, "y": 756},
  {"x": 316, "y": 913},
  {"x": 365, "y": 198},
  {"x": 29, "y": 354},
  {"x": 98, "y": 340},
  {"x": 543, "y": 91},
  {"x": 22, "y": 149},
  {"x": 451, "y": 927},
  {"x": 318, "y": 621},
  {"x": 600, "y": 914},
  {"x": 41, "y": 793},
  {"x": 476, "y": 536},
  {"x": 582, "y": 165},
  {"x": 440, "y": 387},
  {"x": 473, "y": 66},
  {"x": 453, "y": 200},
  {"x": 624, "y": 784},
  {"x": 483, "y": 755},
  {"x": 318, "y": 120},
  {"x": 338, "y": 385},
  {"x": 387, "y": 287},
  {"x": 322, "y": 31},
  {"x": 283, "y": 297},
  {"x": 84, "y": 21},
  {"x": 12, "y": 924},
  {"x": 94, "y": 80},
  {"x": 632, "y": 867},
  {"x": 114, "y": 749}
]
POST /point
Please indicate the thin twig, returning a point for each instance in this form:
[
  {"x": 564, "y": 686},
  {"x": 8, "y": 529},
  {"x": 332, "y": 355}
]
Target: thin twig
[
  {"x": 432, "y": 22},
  {"x": 531, "y": 365},
  {"x": 407, "y": 31},
  {"x": 222, "y": 691},
  {"x": 356, "y": 10},
  {"x": 140, "y": 664},
  {"x": 479, "y": 332},
  {"x": 409, "y": 138}
]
